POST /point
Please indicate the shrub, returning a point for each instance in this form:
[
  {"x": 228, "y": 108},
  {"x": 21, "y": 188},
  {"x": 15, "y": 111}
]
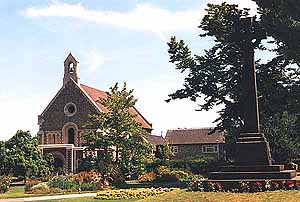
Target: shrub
[
  {"x": 5, "y": 182},
  {"x": 131, "y": 193},
  {"x": 88, "y": 187},
  {"x": 84, "y": 181},
  {"x": 164, "y": 174},
  {"x": 63, "y": 182},
  {"x": 55, "y": 190},
  {"x": 292, "y": 166},
  {"x": 29, "y": 184},
  {"x": 88, "y": 177},
  {"x": 199, "y": 165},
  {"x": 147, "y": 177},
  {"x": 181, "y": 175},
  {"x": 41, "y": 188}
]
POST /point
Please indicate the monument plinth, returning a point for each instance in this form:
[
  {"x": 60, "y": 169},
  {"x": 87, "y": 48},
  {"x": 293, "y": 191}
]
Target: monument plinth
[{"x": 253, "y": 158}]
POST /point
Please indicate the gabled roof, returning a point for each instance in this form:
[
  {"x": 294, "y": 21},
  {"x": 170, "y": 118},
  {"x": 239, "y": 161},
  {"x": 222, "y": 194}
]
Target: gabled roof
[
  {"x": 194, "y": 136},
  {"x": 155, "y": 140},
  {"x": 95, "y": 94}
]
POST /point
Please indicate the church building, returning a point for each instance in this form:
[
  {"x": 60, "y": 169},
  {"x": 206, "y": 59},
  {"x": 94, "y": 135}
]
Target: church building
[{"x": 61, "y": 124}]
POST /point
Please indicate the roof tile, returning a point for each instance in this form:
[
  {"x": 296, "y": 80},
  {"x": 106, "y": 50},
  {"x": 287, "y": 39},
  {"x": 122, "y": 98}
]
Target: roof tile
[
  {"x": 194, "y": 136},
  {"x": 95, "y": 94}
]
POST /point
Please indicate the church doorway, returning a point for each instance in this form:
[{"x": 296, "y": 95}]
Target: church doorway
[
  {"x": 71, "y": 135},
  {"x": 59, "y": 162}
]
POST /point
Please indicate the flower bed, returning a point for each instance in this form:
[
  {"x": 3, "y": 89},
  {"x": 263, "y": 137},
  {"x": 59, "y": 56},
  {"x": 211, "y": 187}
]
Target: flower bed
[
  {"x": 83, "y": 181},
  {"x": 243, "y": 186},
  {"x": 165, "y": 174},
  {"x": 131, "y": 193}
]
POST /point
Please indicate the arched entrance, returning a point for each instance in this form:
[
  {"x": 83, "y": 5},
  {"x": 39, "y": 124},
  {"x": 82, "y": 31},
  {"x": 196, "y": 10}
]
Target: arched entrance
[
  {"x": 70, "y": 134},
  {"x": 59, "y": 162}
]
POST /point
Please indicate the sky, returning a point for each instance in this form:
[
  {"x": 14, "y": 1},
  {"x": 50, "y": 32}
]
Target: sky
[{"x": 114, "y": 41}]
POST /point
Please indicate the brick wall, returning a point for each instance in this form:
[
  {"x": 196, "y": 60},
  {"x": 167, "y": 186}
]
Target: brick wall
[
  {"x": 187, "y": 151},
  {"x": 55, "y": 118}
]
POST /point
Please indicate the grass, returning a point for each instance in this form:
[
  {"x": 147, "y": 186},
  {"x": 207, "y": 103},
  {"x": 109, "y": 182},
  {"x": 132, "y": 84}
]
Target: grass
[
  {"x": 18, "y": 192},
  {"x": 88, "y": 199},
  {"x": 15, "y": 192},
  {"x": 182, "y": 195},
  {"x": 275, "y": 196}
]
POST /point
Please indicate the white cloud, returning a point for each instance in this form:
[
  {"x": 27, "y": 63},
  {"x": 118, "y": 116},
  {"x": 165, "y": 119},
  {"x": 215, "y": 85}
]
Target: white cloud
[
  {"x": 144, "y": 17},
  {"x": 93, "y": 59}
]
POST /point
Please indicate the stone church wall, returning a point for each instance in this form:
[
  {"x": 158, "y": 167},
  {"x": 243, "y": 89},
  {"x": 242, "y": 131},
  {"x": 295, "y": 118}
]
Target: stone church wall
[{"x": 54, "y": 118}]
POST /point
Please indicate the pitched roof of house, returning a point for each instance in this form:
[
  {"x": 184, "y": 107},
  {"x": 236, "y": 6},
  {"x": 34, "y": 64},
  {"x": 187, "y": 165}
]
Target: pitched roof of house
[
  {"x": 95, "y": 94},
  {"x": 194, "y": 136},
  {"x": 156, "y": 140}
]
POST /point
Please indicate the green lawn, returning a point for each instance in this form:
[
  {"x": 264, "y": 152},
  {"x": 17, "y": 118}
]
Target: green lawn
[
  {"x": 18, "y": 192},
  {"x": 15, "y": 192},
  {"x": 183, "y": 196}
]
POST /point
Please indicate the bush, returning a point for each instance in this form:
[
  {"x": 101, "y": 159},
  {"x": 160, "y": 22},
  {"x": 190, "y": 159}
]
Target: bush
[
  {"x": 41, "y": 188},
  {"x": 292, "y": 166},
  {"x": 84, "y": 181},
  {"x": 64, "y": 182},
  {"x": 147, "y": 177},
  {"x": 88, "y": 177},
  {"x": 55, "y": 190},
  {"x": 130, "y": 193},
  {"x": 5, "y": 182},
  {"x": 164, "y": 174},
  {"x": 88, "y": 187},
  {"x": 199, "y": 165},
  {"x": 29, "y": 184}
]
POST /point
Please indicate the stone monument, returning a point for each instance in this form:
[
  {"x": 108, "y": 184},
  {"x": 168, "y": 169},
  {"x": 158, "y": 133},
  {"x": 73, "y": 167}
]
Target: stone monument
[{"x": 253, "y": 158}]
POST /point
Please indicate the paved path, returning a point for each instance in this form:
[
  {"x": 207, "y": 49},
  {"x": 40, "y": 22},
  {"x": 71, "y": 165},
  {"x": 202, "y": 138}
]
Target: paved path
[{"x": 44, "y": 198}]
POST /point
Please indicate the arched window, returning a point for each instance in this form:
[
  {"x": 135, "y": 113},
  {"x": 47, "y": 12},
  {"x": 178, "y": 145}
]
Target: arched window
[
  {"x": 71, "y": 135},
  {"x": 71, "y": 67}
]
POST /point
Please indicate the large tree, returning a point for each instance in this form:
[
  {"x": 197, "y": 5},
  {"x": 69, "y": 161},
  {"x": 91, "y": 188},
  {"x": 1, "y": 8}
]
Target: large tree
[
  {"x": 215, "y": 76},
  {"x": 281, "y": 18},
  {"x": 119, "y": 139},
  {"x": 24, "y": 158}
]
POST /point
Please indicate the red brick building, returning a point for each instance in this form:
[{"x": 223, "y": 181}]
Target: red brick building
[
  {"x": 61, "y": 123},
  {"x": 194, "y": 142}
]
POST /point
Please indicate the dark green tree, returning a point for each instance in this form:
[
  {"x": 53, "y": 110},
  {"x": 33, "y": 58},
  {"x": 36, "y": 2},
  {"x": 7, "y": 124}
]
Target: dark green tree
[
  {"x": 215, "y": 76},
  {"x": 283, "y": 136},
  {"x": 25, "y": 158},
  {"x": 3, "y": 158},
  {"x": 281, "y": 19},
  {"x": 119, "y": 139},
  {"x": 164, "y": 152}
]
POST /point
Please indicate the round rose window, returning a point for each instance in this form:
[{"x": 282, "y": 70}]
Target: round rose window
[{"x": 70, "y": 109}]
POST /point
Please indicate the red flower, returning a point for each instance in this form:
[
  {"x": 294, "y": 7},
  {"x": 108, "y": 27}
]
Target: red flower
[
  {"x": 259, "y": 184},
  {"x": 290, "y": 183}
]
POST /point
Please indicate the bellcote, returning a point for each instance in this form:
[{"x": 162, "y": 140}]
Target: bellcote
[{"x": 71, "y": 69}]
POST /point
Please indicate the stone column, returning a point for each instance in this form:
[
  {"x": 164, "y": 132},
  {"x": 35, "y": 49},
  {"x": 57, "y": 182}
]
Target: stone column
[{"x": 252, "y": 146}]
